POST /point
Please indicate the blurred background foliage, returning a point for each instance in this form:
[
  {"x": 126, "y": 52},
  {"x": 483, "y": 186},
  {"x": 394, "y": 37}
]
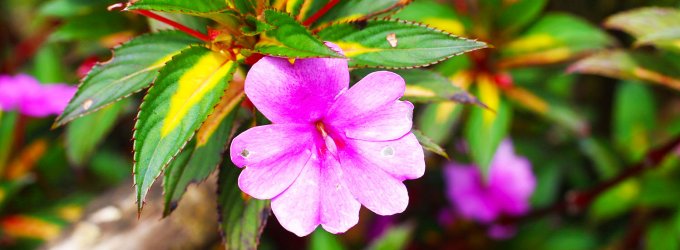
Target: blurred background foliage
[{"x": 584, "y": 91}]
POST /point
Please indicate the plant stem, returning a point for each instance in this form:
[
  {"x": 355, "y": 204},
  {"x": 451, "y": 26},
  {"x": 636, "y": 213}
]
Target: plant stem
[
  {"x": 320, "y": 13},
  {"x": 174, "y": 24}
]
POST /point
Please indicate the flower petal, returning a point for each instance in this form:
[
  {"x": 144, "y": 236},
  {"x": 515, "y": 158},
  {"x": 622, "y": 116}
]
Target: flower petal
[
  {"x": 511, "y": 180},
  {"x": 371, "y": 109},
  {"x": 339, "y": 209},
  {"x": 296, "y": 93},
  {"x": 273, "y": 156},
  {"x": 379, "y": 191},
  {"x": 402, "y": 158},
  {"x": 467, "y": 193},
  {"x": 297, "y": 208}
]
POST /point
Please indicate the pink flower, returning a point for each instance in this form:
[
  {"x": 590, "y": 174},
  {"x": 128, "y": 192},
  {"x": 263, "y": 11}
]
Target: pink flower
[
  {"x": 330, "y": 149},
  {"x": 24, "y": 94},
  {"x": 506, "y": 192}
]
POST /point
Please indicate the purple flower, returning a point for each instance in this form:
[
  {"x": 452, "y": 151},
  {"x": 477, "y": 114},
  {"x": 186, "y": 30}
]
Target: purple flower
[
  {"x": 330, "y": 149},
  {"x": 507, "y": 191},
  {"x": 24, "y": 94}
]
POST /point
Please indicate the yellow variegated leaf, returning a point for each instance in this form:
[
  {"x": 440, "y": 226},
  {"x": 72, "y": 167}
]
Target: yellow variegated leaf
[{"x": 185, "y": 93}]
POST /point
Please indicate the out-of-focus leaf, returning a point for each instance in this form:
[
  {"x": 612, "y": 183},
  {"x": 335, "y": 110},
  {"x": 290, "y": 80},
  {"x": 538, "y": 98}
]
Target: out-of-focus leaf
[
  {"x": 429, "y": 145},
  {"x": 633, "y": 119},
  {"x": 357, "y": 10},
  {"x": 70, "y": 8},
  {"x": 204, "y": 154},
  {"x": 658, "y": 191},
  {"x": 387, "y": 43},
  {"x": 396, "y": 237},
  {"x": 134, "y": 66},
  {"x": 553, "y": 38},
  {"x": 570, "y": 238},
  {"x": 242, "y": 218},
  {"x": 652, "y": 25},
  {"x": 110, "y": 168},
  {"x": 7, "y": 123},
  {"x": 26, "y": 160},
  {"x": 630, "y": 65},
  {"x": 303, "y": 9},
  {"x": 39, "y": 227},
  {"x": 84, "y": 135},
  {"x": 9, "y": 188},
  {"x": 194, "y": 22},
  {"x": 510, "y": 20},
  {"x": 437, "y": 120},
  {"x": 615, "y": 201},
  {"x": 547, "y": 185},
  {"x": 605, "y": 162},
  {"x": 90, "y": 27},
  {"x": 290, "y": 39},
  {"x": 551, "y": 110},
  {"x": 661, "y": 235},
  {"x": 185, "y": 93},
  {"x": 437, "y": 15},
  {"x": 48, "y": 66},
  {"x": 428, "y": 86},
  {"x": 324, "y": 240},
  {"x": 246, "y": 6},
  {"x": 180, "y": 6},
  {"x": 486, "y": 128}
]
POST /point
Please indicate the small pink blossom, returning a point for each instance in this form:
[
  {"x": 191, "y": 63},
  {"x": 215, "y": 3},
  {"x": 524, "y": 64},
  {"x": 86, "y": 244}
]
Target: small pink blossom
[
  {"x": 26, "y": 95},
  {"x": 330, "y": 148},
  {"x": 506, "y": 192}
]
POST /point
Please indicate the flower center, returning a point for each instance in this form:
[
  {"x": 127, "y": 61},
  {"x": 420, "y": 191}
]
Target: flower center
[{"x": 328, "y": 140}]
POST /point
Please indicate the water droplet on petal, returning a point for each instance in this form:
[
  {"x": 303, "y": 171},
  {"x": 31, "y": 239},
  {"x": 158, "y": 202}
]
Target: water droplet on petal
[
  {"x": 245, "y": 153},
  {"x": 387, "y": 151},
  {"x": 337, "y": 186}
]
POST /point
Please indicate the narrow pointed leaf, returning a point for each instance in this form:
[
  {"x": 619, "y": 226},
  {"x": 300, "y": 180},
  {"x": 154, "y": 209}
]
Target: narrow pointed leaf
[
  {"x": 290, "y": 39},
  {"x": 83, "y": 135},
  {"x": 358, "y": 10},
  {"x": 389, "y": 43},
  {"x": 437, "y": 15},
  {"x": 396, "y": 237},
  {"x": 634, "y": 119},
  {"x": 7, "y": 124},
  {"x": 553, "y": 38},
  {"x": 429, "y": 145},
  {"x": 185, "y": 93},
  {"x": 630, "y": 65},
  {"x": 134, "y": 66},
  {"x": 242, "y": 218},
  {"x": 183, "y": 6},
  {"x": 486, "y": 128},
  {"x": 203, "y": 154},
  {"x": 652, "y": 25}
]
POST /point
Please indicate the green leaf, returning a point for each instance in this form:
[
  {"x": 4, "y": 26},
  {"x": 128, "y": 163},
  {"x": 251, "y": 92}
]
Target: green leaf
[
  {"x": 357, "y": 10},
  {"x": 204, "y": 154},
  {"x": 633, "y": 119},
  {"x": 7, "y": 123},
  {"x": 181, "y": 6},
  {"x": 389, "y": 43},
  {"x": 303, "y": 9},
  {"x": 256, "y": 26},
  {"x": 245, "y": 6},
  {"x": 615, "y": 201},
  {"x": 83, "y": 135},
  {"x": 437, "y": 15},
  {"x": 185, "y": 93},
  {"x": 486, "y": 128},
  {"x": 650, "y": 26},
  {"x": 429, "y": 145},
  {"x": 509, "y": 21},
  {"x": 437, "y": 120},
  {"x": 290, "y": 39},
  {"x": 552, "y": 39},
  {"x": 90, "y": 27},
  {"x": 662, "y": 235},
  {"x": 632, "y": 66},
  {"x": 241, "y": 219},
  {"x": 134, "y": 66},
  {"x": 395, "y": 238},
  {"x": 70, "y": 8},
  {"x": 321, "y": 239}
]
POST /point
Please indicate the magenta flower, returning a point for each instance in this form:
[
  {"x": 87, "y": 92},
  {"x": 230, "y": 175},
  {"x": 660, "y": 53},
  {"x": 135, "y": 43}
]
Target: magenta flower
[
  {"x": 506, "y": 192},
  {"x": 330, "y": 148},
  {"x": 26, "y": 95}
]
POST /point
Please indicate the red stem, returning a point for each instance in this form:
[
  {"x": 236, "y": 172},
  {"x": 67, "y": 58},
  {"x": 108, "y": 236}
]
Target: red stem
[
  {"x": 174, "y": 24},
  {"x": 320, "y": 13}
]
